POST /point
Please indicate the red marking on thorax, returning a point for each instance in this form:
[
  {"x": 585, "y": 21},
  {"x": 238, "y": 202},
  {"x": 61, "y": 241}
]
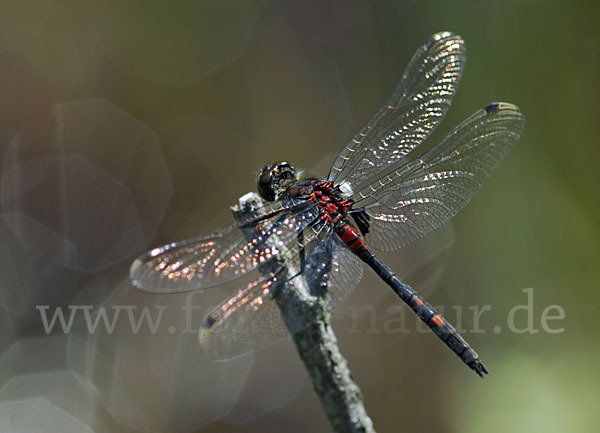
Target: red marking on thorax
[{"x": 331, "y": 208}]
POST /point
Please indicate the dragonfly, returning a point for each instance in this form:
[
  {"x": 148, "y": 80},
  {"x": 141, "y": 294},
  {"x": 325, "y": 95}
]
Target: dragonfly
[{"x": 385, "y": 189}]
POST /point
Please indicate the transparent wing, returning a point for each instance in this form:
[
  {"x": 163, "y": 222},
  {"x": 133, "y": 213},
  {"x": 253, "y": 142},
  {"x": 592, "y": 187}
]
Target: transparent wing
[
  {"x": 331, "y": 262},
  {"x": 346, "y": 273},
  {"x": 409, "y": 200},
  {"x": 251, "y": 317},
  {"x": 246, "y": 321},
  {"x": 228, "y": 254},
  {"x": 414, "y": 110}
]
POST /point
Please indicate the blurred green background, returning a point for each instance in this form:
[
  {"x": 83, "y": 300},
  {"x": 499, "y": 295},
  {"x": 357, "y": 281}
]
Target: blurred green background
[{"x": 212, "y": 91}]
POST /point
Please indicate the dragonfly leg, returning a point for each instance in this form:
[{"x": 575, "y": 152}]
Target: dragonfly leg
[{"x": 302, "y": 251}]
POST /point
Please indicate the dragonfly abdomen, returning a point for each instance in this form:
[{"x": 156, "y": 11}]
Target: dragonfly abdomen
[
  {"x": 351, "y": 238},
  {"x": 440, "y": 326}
]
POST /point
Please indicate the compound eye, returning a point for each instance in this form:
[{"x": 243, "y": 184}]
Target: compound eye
[
  {"x": 265, "y": 183},
  {"x": 285, "y": 170}
]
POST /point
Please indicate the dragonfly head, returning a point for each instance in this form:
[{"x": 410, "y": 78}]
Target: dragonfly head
[{"x": 274, "y": 179}]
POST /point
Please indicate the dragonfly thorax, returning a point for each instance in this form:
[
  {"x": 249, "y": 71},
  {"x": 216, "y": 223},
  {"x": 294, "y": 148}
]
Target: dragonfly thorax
[{"x": 333, "y": 206}]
